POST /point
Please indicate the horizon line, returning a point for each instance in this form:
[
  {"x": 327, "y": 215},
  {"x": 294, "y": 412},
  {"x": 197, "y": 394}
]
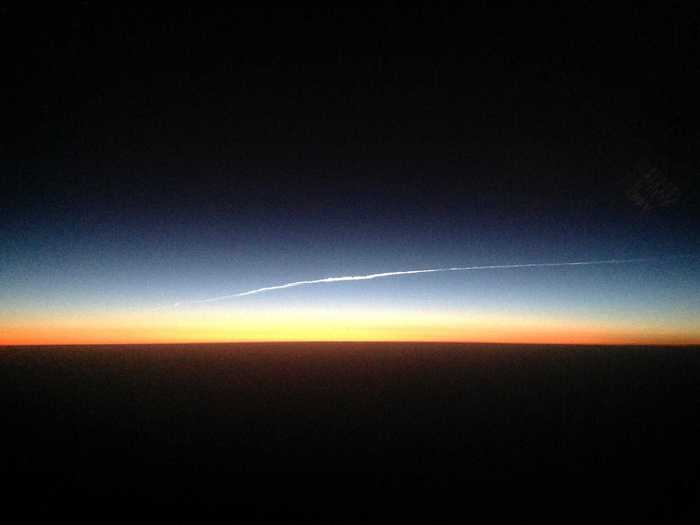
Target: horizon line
[{"x": 358, "y": 341}]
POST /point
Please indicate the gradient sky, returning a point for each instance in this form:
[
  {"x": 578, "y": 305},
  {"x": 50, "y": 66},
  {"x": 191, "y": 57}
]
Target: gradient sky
[{"x": 158, "y": 158}]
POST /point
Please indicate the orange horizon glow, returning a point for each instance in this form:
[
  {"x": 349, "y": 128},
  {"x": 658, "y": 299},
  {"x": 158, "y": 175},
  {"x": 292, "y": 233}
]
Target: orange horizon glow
[
  {"x": 596, "y": 342},
  {"x": 323, "y": 326}
]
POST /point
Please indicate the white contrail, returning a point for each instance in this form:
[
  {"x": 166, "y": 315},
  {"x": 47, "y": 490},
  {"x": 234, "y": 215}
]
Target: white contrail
[{"x": 412, "y": 272}]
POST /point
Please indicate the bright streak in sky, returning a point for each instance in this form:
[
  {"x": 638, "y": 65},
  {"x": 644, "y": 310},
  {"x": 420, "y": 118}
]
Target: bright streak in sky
[{"x": 412, "y": 272}]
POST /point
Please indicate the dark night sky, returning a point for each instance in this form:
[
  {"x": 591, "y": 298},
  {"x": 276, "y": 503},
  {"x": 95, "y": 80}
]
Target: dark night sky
[{"x": 356, "y": 141}]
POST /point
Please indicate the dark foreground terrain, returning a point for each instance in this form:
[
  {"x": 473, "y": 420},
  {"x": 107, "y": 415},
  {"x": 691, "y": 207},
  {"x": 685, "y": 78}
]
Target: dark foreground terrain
[{"x": 354, "y": 431}]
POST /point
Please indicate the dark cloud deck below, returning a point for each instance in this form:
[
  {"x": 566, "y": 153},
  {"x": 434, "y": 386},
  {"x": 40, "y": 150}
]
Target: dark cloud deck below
[{"x": 180, "y": 424}]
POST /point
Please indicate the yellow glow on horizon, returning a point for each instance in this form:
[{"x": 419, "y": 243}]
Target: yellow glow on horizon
[{"x": 224, "y": 325}]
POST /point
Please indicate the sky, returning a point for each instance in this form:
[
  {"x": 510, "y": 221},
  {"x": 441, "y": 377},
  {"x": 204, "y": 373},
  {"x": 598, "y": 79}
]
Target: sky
[{"x": 155, "y": 159}]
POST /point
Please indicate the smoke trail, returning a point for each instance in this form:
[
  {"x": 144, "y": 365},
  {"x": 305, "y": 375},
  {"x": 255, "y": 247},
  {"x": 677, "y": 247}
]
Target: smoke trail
[{"x": 412, "y": 272}]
